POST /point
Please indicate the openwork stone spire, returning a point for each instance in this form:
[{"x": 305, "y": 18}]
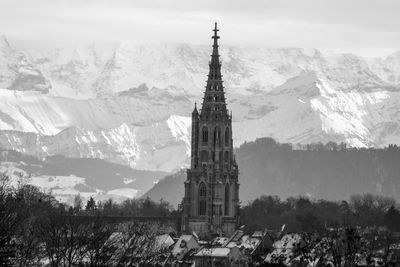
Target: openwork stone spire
[
  {"x": 214, "y": 96},
  {"x": 214, "y": 75}
]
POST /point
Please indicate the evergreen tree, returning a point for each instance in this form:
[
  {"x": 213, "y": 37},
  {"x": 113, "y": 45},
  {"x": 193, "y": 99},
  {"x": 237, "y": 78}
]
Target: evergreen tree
[{"x": 91, "y": 204}]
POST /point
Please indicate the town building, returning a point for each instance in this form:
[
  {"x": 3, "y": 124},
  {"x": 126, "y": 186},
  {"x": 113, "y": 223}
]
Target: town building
[{"x": 229, "y": 257}]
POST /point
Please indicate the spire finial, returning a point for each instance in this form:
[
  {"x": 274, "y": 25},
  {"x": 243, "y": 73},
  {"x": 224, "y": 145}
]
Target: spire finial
[
  {"x": 215, "y": 32},
  {"x": 214, "y": 88}
]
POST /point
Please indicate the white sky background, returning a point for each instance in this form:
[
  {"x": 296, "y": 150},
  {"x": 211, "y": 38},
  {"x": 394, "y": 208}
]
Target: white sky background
[{"x": 365, "y": 27}]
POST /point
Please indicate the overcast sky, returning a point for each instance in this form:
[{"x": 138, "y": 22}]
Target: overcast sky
[{"x": 366, "y": 27}]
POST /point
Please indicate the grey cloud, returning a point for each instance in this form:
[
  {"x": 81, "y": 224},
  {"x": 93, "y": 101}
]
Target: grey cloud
[{"x": 359, "y": 25}]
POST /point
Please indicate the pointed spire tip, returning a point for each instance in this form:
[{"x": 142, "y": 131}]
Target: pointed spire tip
[{"x": 215, "y": 30}]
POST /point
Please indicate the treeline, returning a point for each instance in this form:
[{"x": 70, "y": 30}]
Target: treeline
[
  {"x": 270, "y": 143},
  {"x": 302, "y": 214},
  {"x": 142, "y": 207},
  {"x": 37, "y": 230}
]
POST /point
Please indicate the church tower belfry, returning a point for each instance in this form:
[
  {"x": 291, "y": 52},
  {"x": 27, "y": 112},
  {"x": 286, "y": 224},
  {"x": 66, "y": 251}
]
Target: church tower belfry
[{"x": 210, "y": 204}]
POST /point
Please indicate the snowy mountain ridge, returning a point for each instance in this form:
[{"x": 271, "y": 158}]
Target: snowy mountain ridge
[
  {"x": 131, "y": 103},
  {"x": 96, "y": 71},
  {"x": 160, "y": 146},
  {"x": 19, "y": 73}
]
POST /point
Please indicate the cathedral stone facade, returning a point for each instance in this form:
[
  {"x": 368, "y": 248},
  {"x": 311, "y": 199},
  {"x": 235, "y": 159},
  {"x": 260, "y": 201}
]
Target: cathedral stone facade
[{"x": 210, "y": 204}]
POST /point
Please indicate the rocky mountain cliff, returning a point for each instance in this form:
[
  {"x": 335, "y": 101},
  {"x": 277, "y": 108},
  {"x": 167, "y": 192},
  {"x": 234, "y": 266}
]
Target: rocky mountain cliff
[{"x": 18, "y": 73}]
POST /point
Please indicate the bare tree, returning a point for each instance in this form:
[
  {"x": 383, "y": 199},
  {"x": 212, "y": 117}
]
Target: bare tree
[
  {"x": 9, "y": 219},
  {"x": 73, "y": 234},
  {"x": 99, "y": 247},
  {"x": 135, "y": 243},
  {"x": 49, "y": 229},
  {"x": 28, "y": 246}
]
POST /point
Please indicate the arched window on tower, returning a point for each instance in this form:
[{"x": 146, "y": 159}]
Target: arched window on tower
[
  {"x": 227, "y": 200},
  {"x": 204, "y": 156},
  {"x": 217, "y": 136},
  {"x": 227, "y": 136},
  {"x": 202, "y": 199},
  {"x": 204, "y": 135},
  {"x": 226, "y": 156}
]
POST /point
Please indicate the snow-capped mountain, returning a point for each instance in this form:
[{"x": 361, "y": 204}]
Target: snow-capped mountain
[
  {"x": 92, "y": 71},
  {"x": 388, "y": 69},
  {"x": 131, "y": 103},
  {"x": 46, "y": 114},
  {"x": 308, "y": 109},
  {"x": 159, "y": 146},
  {"x": 17, "y": 72}
]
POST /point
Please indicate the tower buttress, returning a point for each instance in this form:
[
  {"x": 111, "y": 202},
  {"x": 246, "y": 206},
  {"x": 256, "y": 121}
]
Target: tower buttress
[{"x": 195, "y": 137}]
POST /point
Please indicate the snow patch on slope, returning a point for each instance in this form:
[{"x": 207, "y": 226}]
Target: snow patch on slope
[
  {"x": 63, "y": 188},
  {"x": 180, "y": 128},
  {"x": 124, "y": 192}
]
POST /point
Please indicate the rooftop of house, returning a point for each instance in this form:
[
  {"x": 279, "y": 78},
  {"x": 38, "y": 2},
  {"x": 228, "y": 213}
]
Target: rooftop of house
[
  {"x": 183, "y": 245},
  {"x": 221, "y": 240},
  {"x": 213, "y": 252},
  {"x": 246, "y": 242}
]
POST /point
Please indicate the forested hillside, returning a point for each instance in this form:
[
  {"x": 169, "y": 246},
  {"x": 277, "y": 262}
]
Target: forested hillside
[{"x": 329, "y": 171}]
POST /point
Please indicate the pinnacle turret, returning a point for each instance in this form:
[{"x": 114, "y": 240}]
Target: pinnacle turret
[{"x": 195, "y": 112}]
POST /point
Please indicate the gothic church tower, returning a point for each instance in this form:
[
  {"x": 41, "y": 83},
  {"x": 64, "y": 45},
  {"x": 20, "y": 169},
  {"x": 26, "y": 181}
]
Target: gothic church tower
[{"x": 210, "y": 204}]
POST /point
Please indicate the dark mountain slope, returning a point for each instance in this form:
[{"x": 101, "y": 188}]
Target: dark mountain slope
[
  {"x": 98, "y": 173},
  {"x": 169, "y": 188},
  {"x": 329, "y": 171}
]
